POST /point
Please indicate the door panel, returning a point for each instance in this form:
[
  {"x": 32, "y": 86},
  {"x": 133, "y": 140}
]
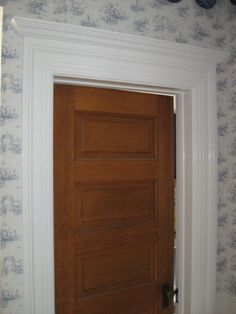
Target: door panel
[
  {"x": 121, "y": 301},
  {"x": 128, "y": 137},
  {"x": 121, "y": 201},
  {"x": 113, "y": 200},
  {"x": 115, "y": 269}
]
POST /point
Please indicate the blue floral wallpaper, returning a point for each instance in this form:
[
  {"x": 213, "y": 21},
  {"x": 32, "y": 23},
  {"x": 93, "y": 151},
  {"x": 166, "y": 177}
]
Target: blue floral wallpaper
[{"x": 183, "y": 22}]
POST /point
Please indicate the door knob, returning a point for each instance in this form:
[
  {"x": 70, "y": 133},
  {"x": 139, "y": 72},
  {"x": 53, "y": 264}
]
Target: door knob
[{"x": 167, "y": 295}]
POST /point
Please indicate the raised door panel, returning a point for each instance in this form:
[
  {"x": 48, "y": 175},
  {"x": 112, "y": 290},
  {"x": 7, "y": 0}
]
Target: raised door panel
[
  {"x": 130, "y": 301},
  {"x": 101, "y": 136},
  {"x": 116, "y": 269},
  {"x": 103, "y": 203}
]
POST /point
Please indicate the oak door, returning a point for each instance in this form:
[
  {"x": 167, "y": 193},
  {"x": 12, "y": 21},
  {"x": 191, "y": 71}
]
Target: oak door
[{"x": 113, "y": 200}]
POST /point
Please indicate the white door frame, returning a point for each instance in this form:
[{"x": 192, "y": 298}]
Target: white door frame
[{"x": 60, "y": 52}]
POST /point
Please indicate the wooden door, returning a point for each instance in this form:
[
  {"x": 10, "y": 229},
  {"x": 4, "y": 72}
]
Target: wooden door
[{"x": 113, "y": 195}]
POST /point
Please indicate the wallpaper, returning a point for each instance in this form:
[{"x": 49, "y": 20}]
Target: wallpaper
[{"x": 183, "y": 22}]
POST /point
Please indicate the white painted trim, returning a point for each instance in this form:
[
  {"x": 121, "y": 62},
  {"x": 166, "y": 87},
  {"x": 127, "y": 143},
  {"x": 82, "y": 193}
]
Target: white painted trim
[
  {"x": 64, "y": 52},
  {"x": 226, "y": 304}
]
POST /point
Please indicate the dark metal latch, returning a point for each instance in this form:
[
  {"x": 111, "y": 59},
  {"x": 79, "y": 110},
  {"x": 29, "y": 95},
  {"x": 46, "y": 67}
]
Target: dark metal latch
[{"x": 168, "y": 295}]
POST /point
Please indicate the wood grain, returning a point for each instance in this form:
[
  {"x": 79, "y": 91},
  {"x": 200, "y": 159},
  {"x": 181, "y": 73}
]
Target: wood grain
[
  {"x": 128, "y": 137},
  {"x": 113, "y": 200}
]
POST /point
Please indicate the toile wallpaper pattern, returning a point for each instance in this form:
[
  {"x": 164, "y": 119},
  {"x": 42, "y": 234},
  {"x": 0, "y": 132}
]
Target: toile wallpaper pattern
[{"x": 183, "y": 22}]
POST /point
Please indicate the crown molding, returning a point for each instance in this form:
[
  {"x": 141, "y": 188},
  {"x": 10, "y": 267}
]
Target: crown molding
[{"x": 72, "y": 33}]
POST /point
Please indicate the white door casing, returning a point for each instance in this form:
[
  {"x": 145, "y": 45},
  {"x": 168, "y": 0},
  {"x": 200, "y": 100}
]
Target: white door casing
[{"x": 56, "y": 52}]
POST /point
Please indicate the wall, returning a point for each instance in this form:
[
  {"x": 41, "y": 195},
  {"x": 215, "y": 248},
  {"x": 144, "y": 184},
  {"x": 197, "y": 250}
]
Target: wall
[
  {"x": 184, "y": 22},
  {"x": 226, "y": 304}
]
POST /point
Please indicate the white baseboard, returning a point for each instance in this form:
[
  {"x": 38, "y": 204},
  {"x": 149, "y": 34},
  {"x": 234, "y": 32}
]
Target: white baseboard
[{"x": 225, "y": 304}]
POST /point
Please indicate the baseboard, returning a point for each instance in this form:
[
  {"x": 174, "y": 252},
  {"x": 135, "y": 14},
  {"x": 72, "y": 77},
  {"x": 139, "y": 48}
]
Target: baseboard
[{"x": 225, "y": 304}]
